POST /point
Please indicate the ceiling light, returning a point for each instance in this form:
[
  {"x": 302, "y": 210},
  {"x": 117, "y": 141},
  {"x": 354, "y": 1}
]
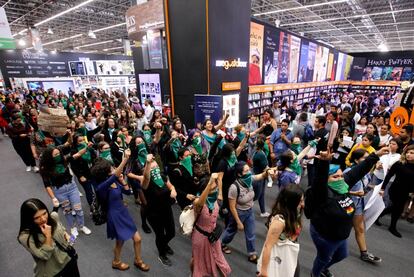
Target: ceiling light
[
  {"x": 53, "y": 51},
  {"x": 383, "y": 47},
  {"x": 96, "y": 43},
  {"x": 113, "y": 48},
  {"x": 91, "y": 34},
  {"x": 50, "y": 31},
  {"x": 21, "y": 42},
  {"x": 64, "y": 12},
  {"x": 277, "y": 23},
  {"x": 300, "y": 7},
  {"x": 109, "y": 27},
  {"x": 62, "y": 39}
]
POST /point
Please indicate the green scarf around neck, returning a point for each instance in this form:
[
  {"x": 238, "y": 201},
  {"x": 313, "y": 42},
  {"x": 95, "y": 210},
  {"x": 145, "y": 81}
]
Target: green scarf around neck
[
  {"x": 59, "y": 166},
  {"x": 296, "y": 167},
  {"x": 175, "y": 146},
  {"x": 87, "y": 155},
  {"x": 156, "y": 177},
  {"x": 187, "y": 164},
  {"x": 106, "y": 154},
  {"x": 142, "y": 153},
  {"x": 232, "y": 160},
  {"x": 296, "y": 148},
  {"x": 196, "y": 143}
]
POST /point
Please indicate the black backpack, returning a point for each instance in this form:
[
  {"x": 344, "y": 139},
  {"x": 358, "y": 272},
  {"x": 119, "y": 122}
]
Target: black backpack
[{"x": 99, "y": 210}]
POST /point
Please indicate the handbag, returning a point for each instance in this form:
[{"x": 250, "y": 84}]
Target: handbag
[
  {"x": 70, "y": 250},
  {"x": 213, "y": 236},
  {"x": 187, "y": 220}
]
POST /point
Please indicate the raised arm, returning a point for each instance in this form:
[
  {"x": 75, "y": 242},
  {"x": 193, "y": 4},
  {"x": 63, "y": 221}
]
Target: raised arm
[
  {"x": 118, "y": 171},
  {"x": 147, "y": 170},
  {"x": 242, "y": 144},
  {"x": 222, "y": 122},
  {"x": 199, "y": 202}
]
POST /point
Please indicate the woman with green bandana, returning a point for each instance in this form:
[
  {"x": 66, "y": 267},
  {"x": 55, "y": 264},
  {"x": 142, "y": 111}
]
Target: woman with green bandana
[
  {"x": 199, "y": 150},
  {"x": 61, "y": 187},
  {"x": 207, "y": 258},
  {"x": 105, "y": 151},
  {"x": 171, "y": 150},
  {"x": 241, "y": 195},
  {"x": 81, "y": 167},
  {"x": 108, "y": 130},
  {"x": 135, "y": 173},
  {"x": 209, "y": 130},
  {"x": 118, "y": 147},
  {"x": 160, "y": 194},
  {"x": 183, "y": 179}
]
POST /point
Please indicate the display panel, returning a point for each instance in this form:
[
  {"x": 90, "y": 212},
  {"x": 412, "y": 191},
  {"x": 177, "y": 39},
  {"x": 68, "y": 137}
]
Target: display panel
[
  {"x": 284, "y": 58},
  {"x": 256, "y": 53},
  {"x": 311, "y": 62},
  {"x": 271, "y": 53},
  {"x": 109, "y": 67},
  {"x": 231, "y": 107},
  {"x": 77, "y": 68},
  {"x": 33, "y": 85},
  {"x": 150, "y": 88},
  {"x": 407, "y": 74},
  {"x": 303, "y": 61},
  {"x": 294, "y": 53}
]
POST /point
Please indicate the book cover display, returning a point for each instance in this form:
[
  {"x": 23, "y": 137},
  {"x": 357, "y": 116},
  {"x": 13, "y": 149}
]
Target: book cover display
[
  {"x": 294, "y": 43},
  {"x": 303, "y": 62},
  {"x": 271, "y": 54},
  {"x": 311, "y": 62},
  {"x": 256, "y": 53},
  {"x": 284, "y": 58}
]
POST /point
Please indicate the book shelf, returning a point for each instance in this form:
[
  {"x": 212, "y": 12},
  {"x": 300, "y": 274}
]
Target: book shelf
[{"x": 261, "y": 97}]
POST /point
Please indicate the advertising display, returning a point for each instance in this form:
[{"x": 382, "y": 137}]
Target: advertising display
[
  {"x": 317, "y": 74},
  {"x": 231, "y": 107},
  {"x": 311, "y": 61},
  {"x": 324, "y": 68},
  {"x": 330, "y": 65},
  {"x": 407, "y": 74},
  {"x": 90, "y": 67},
  {"x": 284, "y": 58},
  {"x": 348, "y": 67},
  {"x": 256, "y": 53},
  {"x": 6, "y": 38},
  {"x": 335, "y": 65},
  {"x": 207, "y": 107},
  {"x": 109, "y": 67},
  {"x": 294, "y": 58},
  {"x": 303, "y": 61},
  {"x": 271, "y": 53},
  {"x": 77, "y": 68},
  {"x": 344, "y": 59},
  {"x": 155, "y": 50},
  {"x": 339, "y": 66},
  {"x": 150, "y": 88}
]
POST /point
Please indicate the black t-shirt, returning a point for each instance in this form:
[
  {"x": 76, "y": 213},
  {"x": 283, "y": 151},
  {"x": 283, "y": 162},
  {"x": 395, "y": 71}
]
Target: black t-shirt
[
  {"x": 184, "y": 184},
  {"x": 157, "y": 198},
  {"x": 323, "y": 142},
  {"x": 243, "y": 154}
]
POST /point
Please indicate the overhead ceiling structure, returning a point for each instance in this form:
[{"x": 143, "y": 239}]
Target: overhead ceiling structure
[
  {"x": 71, "y": 25},
  {"x": 349, "y": 25}
]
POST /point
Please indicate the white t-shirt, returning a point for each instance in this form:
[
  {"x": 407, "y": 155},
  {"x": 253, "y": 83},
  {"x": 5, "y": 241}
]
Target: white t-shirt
[{"x": 385, "y": 139}]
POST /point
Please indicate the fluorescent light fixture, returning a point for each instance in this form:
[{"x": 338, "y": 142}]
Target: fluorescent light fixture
[
  {"x": 326, "y": 43},
  {"x": 383, "y": 47},
  {"x": 109, "y": 27},
  {"x": 92, "y": 44},
  {"x": 301, "y": 7},
  {"x": 149, "y": 25},
  {"x": 21, "y": 32},
  {"x": 91, "y": 34},
  {"x": 113, "y": 48},
  {"x": 50, "y": 31},
  {"x": 53, "y": 52},
  {"x": 62, "y": 39},
  {"x": 21, "y": 42},
  {"x": 63, "y": 13}
]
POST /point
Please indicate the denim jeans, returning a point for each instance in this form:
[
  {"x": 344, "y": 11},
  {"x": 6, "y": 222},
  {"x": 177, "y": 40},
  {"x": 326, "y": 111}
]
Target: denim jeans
[
  {"x": 69, "y": 199},
  {"x": 259, "y": 193},
  {"x": 247, "y": 218},
  {"x": 329, "y": 252}
]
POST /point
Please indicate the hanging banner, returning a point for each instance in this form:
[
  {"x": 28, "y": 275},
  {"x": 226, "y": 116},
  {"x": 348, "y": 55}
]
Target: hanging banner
[
  {"x": 35, "y": 39},
  {"x": 284, "y": 58},
  {"x": 256, "y": 53},
  {"x": 311, "y": 62},
  {"x": 6, "y": 38},
  {"x": 294, "y": 43},
  {"x": 303, "y": 61},
  {"x": 207, "y": 107},
  {"x": 154, "y": 49},
  {"x": 271, "y": 52}
]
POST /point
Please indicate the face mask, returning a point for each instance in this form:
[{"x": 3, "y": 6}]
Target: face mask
[
  {"x": 247, "y": 179},
  {"x": 187, "y": 164},
  {"x": 156, "y": 177},
  {"x": 339, "y": 186},
  {"x": 197, "y": 145},
  {"x": 175, "y": 146},
  {"x": 59, "y": 167},
  {"x": 147, "y": 136},
  {"x": 211, "y": 199},
  {"x": 241, "y": 135},
  {"x": 232, "y": 160},
  {"x": 142, "y": 153},
  {"x": 106, "y": 154},
  {"x": 297, "y": 148}
]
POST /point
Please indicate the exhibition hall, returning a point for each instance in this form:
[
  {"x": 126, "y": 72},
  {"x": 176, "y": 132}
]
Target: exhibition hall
[{"x": 207, "y": 138}]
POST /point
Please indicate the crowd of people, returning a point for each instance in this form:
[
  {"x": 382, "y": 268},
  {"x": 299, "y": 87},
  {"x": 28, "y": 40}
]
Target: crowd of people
[{"x": 339, "y": 146}]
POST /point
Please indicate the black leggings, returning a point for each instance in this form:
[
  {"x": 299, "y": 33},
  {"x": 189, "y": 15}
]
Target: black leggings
[
  {"x": 70, "y": 270},
  {"x": 396, "y": 208},
  {"x": 163, "y": 225},
  {"x": 23, "y": 149}
]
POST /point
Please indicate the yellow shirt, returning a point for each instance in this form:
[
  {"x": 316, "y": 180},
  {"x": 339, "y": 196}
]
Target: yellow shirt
[{"x": 369, "y": 149}]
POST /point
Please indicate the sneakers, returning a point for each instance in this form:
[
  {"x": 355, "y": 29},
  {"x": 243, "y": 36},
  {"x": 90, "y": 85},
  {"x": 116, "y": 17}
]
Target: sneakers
[
  {"x": 80, "y": 194},
  {"x": 369, "y": 257},
  {"x": 164, "y": 260},
  {"x": 326, "y": 273},
  {"x": 85, "y": 230},
  {"x": 395, "y": 232},
  {"x": 35, "y": 169},
  {"x": 74, "y": 232},
  {"x": 28, "y": 168},
  {"x": 265, "y": 214}
]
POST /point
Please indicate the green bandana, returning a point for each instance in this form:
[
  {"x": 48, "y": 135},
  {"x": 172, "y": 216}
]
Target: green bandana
[
  {"x": 296, "y": 167},
  {"x": 175, "y": 146},
  {"x": 266, "y": 149},
  {"x": 313, "y": 143},
  {"x": 122, "y": 137},
  {"x": 196, "y": 143},
  {"x": 156, "y": 177},
  {"x": 142, "y": 153},
  {"x": 209, "y": 139},
  {"x": 339, "y": 186},
  {"x": 247, "y": 179},
  {"x": 87, "y": 156},
  {"x": 106, "y": 154},
  {"x": 211, "y": 199},
  {"x": 82, "y": 131},
  {"x": 232, "y": 160},
  {"x": 59, "y": 166},
  {"x": 186, "y": 162},
  {"x": 296, "y": 148},
  {"x": 147, "y": 137},
  {"x": 241, "y": 135}
]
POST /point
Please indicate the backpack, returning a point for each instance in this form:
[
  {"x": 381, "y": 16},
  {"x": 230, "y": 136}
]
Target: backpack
[
  {"x": 187, "y": 220},
  {"x": 98, "y": 210},
  {"x": 308, "y": 134}
]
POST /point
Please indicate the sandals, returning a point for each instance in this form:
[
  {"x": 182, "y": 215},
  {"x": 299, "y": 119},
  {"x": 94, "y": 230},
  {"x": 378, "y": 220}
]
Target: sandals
[
  {"x": 253, "y": 258},
  {"x": 120, "y": 265},
  {"x": 142, "y": 266},
  {"x": 226, "y": 250}
]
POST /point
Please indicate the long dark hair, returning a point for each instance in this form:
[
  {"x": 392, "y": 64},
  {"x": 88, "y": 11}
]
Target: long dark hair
[
  {"x": 47, "y": 164},
  {"x": 101, "y": 170},
  {"x": 286, "y": 205},
  {"x": 27, "y": 211}
]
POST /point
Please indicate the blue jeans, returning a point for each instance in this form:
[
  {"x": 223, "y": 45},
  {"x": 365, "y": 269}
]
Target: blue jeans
[
  {"x": 329, "y": 252},
  {"x": 247, "y": 218},
  {"x": 259, "y": 193},
  {"x": 69, "y": 199}
]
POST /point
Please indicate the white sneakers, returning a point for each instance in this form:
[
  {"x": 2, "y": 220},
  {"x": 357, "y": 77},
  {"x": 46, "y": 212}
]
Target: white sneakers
[
  {"x": 35, "y": 169},
  {"x": 28, "y": 168},
  {"x": 265, "y": 214},
  {"x": 84, "y": 229}
]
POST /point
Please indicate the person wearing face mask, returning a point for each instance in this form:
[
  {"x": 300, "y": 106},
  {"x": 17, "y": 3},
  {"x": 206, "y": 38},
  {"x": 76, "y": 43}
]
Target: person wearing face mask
[
  {"x": 105, "y": 151},
  {"x": 241, "y": 195},
  {"x": 183, "y": 179},
  {"x": 61, "y": 187},
  {"x": 118, "y": 147},
  {"x": 171, "y": 150},
  {"x": 240, "y": 134},
  {"x": 207, "y": 257},
  {"x": 160, "y": 194},
  {"x": 284, "y": 223},
  {"x": 365, "y": 144},
  {"x": 199, "y": 154}
]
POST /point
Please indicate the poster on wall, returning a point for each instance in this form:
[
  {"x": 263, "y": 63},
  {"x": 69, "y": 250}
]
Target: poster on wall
[
  {"x": 317, "y": 75},
  {"x": 109, "y": 67},
  {"x": 150, "y": 88},
  {"x": 283, "y": 58},
  {"x": 386, "y": 73},
  {"x": 231, "y": 107},
  {"x": 256, "y": 53},
  {"x": 77, "y": 68},
  {"x": 348, "y": 67},
  {"x": 344, "y": 58},
  {"x": 303, "y": 60},
  {"x": 407, "y": 74},
  {"x": 294, "y": 58},
  {"x": 339, "y": 67},
  {"x": 324, "y": 69},
  {"x": 90, "y": 67},
  {"x": 396, "y": 73},
  {"x": 155, "y": 50},
  {"x": 271, "y": 53},
  {"x": 207, "y": 107},
  {"x": 335, "y": 65},
  {"x": 376, "y": 73},
  {"x": 330, "y": 65},
  {"x": 367, "y": 74},
  {"x": 311, "y": 62}
]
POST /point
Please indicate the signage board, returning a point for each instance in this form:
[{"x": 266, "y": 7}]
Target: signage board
[{"x": 207, "y": 107}]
